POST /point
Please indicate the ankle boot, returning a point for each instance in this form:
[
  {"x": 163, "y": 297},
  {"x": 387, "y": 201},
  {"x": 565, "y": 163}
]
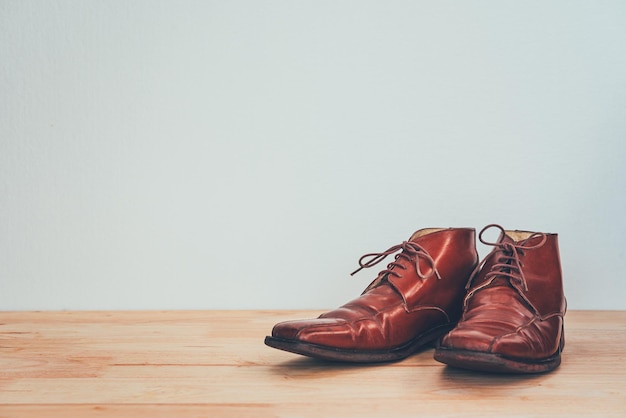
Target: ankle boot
[
  {"x": 411, "y": 303},
  {"x": 512, "y": 319}
]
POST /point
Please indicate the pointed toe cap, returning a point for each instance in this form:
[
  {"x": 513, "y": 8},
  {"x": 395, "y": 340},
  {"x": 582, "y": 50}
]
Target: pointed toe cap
[
  {"x": 468, "y": 339},
  {"x": 322, "y": 331}
]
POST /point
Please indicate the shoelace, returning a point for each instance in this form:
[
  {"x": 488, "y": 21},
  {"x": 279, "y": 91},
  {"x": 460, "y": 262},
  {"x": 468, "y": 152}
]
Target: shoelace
[
  {"x": 410, "y": 250},
  {"x": 508, "y": 263}
]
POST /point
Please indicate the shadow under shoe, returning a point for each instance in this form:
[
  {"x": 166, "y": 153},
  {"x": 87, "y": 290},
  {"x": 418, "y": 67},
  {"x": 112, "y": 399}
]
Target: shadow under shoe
[{"x": 410, "y": 304}]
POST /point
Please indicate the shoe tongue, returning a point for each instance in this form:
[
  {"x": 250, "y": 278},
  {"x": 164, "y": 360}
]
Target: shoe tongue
[
  {"x": 505, "y": 237},
  {"x": 419, "y": 237}
]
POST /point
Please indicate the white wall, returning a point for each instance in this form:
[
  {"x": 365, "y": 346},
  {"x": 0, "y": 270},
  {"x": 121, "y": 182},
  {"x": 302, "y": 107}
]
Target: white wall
[{"x": 244, "y": 154}]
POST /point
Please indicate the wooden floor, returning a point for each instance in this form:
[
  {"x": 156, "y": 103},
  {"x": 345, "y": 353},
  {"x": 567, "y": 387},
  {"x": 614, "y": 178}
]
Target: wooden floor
[{"x": 214, "y": 363}]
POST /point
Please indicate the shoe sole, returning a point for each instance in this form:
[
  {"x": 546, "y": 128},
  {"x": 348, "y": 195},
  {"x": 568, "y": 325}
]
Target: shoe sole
[
  {"x": 495, "y": 363},
  {"x": 359, "y": 356}
]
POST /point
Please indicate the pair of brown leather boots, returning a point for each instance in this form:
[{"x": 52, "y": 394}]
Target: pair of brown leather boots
[{"x": 502, "y": 315}]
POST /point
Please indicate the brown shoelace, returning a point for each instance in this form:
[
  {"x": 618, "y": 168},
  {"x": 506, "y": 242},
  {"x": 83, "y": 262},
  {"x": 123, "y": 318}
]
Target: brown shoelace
[
  {"x": 508, "y": 264},
  {"x": 410, "y": 251}
]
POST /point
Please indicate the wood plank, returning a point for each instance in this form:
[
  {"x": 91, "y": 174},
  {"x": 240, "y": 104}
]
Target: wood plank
[{"x": 214, "y": 363}]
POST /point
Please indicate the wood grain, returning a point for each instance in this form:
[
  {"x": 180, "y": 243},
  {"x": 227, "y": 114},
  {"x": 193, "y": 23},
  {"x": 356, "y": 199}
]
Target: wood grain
[{"x": 214, "y": 363}]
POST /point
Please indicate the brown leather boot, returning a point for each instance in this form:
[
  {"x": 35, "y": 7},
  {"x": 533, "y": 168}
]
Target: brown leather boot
[
  {"x": 411, "y": 303},
  {"x": 513, "y": 313}
]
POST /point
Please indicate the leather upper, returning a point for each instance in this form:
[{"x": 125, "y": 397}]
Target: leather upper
[
  {"x": 422, "y": 289},
  {"x": 515, "y": 305}
]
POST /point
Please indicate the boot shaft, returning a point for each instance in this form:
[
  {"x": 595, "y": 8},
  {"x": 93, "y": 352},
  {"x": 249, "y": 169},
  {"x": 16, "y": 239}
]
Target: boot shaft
[
  {"x": 530, "y": 262},
  {"x": 454, "y": 257}
]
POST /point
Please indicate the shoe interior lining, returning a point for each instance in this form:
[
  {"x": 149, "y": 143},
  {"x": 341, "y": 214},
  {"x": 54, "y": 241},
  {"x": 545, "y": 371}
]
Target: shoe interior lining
[
  {"x": 515, "y": 235},
  {"x": 519, "y": 235},
  {"x": 425, "y": 231}
]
